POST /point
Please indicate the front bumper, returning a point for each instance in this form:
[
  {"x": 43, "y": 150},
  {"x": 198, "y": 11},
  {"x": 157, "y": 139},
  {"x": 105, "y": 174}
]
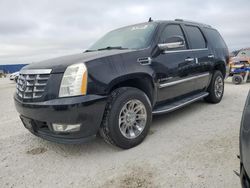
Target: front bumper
[{"x": 87, "y": 110}]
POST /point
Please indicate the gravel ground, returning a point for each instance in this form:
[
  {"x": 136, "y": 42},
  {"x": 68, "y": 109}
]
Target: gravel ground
[{"x": 192, "y": 147}]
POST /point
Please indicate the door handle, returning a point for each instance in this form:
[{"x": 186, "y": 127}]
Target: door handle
[
  {"x": 189, "y": 59},
  {"x": 210, "y": 56}
]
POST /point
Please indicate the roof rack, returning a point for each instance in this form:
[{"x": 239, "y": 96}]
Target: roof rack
[
  {"x": 179, "y": 20},
  {"x": 192, "y": 22}
]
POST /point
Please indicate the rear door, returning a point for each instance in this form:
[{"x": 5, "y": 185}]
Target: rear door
[{"x": 203, "y": 57}]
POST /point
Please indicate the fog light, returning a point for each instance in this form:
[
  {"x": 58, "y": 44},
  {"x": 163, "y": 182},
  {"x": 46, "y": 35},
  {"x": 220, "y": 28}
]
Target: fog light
[{"x": 66, "y": 128}]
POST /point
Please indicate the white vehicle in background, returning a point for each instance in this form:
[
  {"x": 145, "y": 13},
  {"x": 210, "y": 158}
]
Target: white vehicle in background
[{"x": 14, "y": 76}]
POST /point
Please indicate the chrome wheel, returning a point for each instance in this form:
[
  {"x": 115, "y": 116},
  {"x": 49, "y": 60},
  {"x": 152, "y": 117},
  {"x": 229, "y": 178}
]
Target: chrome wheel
[
  {"x": 132, "y": 119},
  {"x": 218, "y": 87}
]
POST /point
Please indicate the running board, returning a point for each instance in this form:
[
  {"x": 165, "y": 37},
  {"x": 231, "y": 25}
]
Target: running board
[{"x": 178, "y": 104}]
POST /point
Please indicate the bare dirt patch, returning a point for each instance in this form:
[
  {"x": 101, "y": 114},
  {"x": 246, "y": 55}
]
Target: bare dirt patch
[
  {"x": 135, "y": 178},
  {"x": 151, "y": 132},
  {"x": 36, "y": 151}
]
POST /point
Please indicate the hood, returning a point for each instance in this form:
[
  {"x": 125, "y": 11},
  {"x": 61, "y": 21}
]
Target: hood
[{"x": 58, "y": 65}]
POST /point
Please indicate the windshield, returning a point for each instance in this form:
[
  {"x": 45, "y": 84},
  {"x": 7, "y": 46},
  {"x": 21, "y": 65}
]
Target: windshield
[
  {"x": 131, "y": 37},
  {"x": 244, "y": 53}
]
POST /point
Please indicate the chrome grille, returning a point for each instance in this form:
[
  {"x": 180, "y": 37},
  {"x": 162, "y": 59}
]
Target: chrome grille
[{"x": 31, "y": 86}]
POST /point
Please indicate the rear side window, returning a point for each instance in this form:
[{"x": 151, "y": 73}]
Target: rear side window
[
  {"x": 196, "y": 37},
  {"x": 215, "y": 38},
  {"x": 170, "y": 31}
]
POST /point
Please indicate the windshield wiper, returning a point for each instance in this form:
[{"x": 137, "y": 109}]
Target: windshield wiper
[
  {"x": 89, "y": 50},
  {"x": 112, "y": 48}
]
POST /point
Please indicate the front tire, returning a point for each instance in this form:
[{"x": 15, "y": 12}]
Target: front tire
[
  {"x": 216, "y": 88},
  {"x": 127, "y": 117}
]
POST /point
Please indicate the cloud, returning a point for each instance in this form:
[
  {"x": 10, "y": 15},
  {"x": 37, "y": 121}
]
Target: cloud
[
  {"x": 36, "y": 30},
  {"x": 15, "y": 28}
]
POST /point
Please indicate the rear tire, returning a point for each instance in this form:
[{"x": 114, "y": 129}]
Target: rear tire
[
  {"x": 216, "y": 88},
  {"x": 237, "y": 79},
  {"x": 127, "y": 117}
]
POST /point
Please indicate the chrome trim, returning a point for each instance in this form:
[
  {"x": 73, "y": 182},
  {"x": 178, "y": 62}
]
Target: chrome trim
[
  {"x": 189, "y": 59},
  {"x": 183, "y": 80},
  {"x": 132, "y": 119},
  {"x": 144, "y": 60},
  {"x": 189, "y": 50},
  {"x": 218, "y": 87},
  {"x": 210, "y": 56},
  {"x": 172, "y": 45},
  {"x": 36, "y": 71},
  {"x": 196, "y": 60},
  {"x": 180, "y": 105},
  {"x": 32, "y": 83}
]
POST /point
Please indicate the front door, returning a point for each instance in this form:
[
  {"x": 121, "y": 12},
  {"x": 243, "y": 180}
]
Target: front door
[{"x": 174, "y": 68}]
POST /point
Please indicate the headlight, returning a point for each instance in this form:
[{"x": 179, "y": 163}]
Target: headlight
[{"x": 74, "y": 81}]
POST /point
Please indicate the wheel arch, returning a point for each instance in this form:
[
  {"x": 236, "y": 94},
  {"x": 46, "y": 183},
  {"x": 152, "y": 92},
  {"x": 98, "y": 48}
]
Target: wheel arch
[
  {"x": 221, "y": 66},
  {"x": 140, "y": 81}
]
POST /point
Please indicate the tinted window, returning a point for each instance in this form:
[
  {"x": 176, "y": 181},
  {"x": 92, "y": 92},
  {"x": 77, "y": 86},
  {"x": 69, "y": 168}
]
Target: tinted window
[
  {"x": 196, "y": 38},
  {"x": 215, "y": 38},
  {"x": 170, "y": 31}
]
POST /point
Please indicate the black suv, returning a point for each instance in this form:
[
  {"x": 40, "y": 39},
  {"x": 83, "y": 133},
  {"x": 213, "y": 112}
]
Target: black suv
[{"x": 116, "y": 85}]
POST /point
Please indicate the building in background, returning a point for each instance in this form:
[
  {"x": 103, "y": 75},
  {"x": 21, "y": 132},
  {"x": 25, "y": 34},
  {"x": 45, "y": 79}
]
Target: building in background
[{"x": 11, "y": 68}]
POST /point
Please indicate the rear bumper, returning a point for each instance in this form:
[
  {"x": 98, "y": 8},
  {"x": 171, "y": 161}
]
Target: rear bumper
[{"x": 86, "y": 110}]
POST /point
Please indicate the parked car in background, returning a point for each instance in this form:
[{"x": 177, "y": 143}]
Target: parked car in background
[
  {"x": 241, "y": 60},
  {"x": 125, "y": 77},
  {"x": 245, "y": 145},
  {"x": 14, "y": 76}
]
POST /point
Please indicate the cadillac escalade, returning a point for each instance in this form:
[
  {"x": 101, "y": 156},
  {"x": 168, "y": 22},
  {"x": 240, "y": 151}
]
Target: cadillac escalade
[{"x": 115, "y": 86}]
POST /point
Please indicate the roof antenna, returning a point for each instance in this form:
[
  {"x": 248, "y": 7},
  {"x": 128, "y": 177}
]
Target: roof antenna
[{"x": 150, "y": 19}]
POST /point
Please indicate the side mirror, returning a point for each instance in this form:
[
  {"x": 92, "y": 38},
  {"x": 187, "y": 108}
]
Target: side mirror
[{"x": 174, "y": 42}]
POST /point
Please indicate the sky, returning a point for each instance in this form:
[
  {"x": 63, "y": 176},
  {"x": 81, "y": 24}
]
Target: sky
[{"x": 35, "y": 30}]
